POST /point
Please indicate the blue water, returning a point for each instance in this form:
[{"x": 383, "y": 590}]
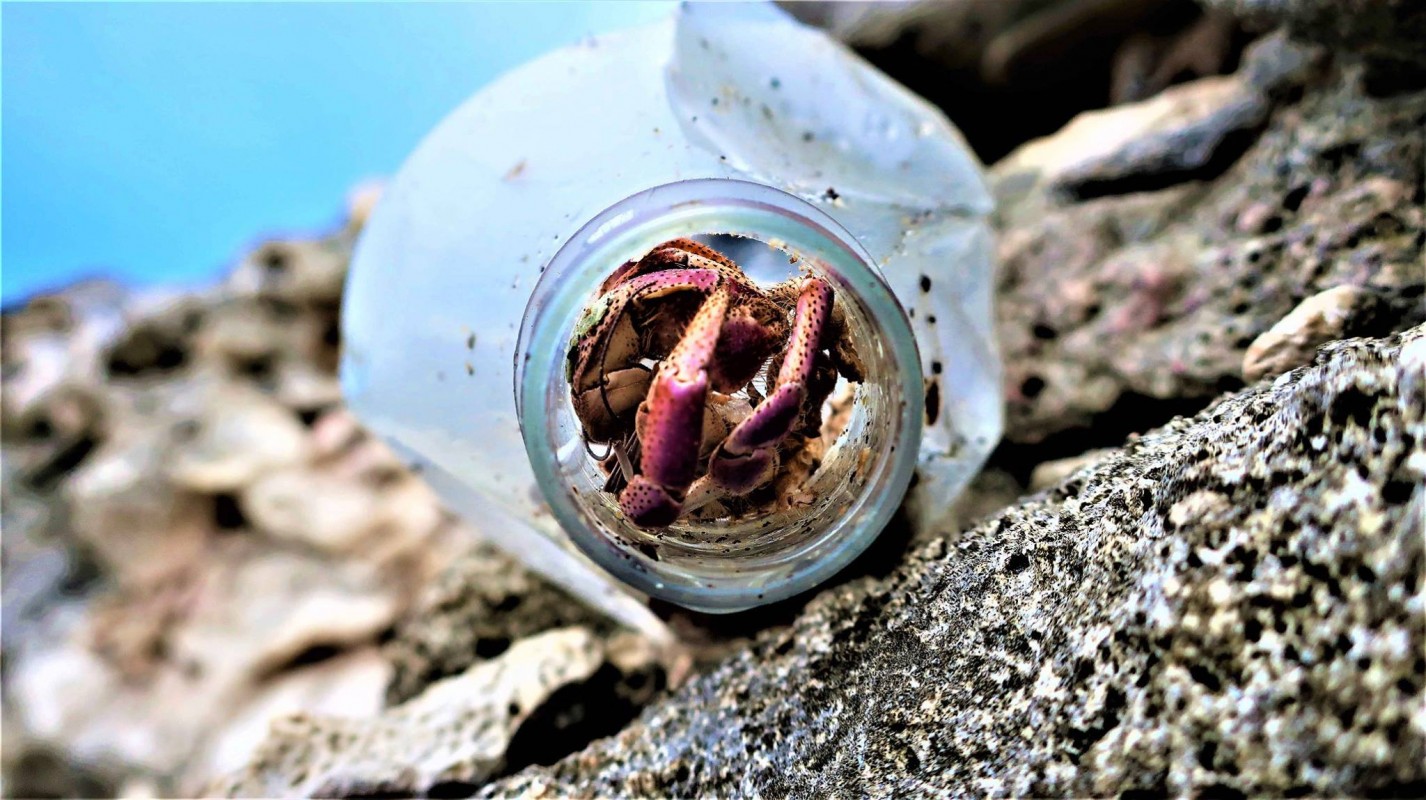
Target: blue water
[{"x": 156, "y": 142}]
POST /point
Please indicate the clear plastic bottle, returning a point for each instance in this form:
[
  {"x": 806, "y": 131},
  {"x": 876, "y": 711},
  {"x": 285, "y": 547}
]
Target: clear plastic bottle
[{"x": 725, "y": 120}]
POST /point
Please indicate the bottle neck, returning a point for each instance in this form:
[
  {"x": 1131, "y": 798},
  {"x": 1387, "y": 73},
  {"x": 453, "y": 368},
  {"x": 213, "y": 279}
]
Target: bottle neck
[{"x": 724, "y": 565}]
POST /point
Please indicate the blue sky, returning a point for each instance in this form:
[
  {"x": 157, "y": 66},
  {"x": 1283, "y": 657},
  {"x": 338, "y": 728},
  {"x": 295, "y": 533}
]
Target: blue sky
[{"x": 156, "y": 142}]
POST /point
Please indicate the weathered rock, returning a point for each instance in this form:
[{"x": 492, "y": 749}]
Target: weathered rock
[
  {"x": 480, "y": 603},
  {"x": 329, "y": 511},
  {"x": 242, "y": 335},
  {"x": 52, "y": 342},
  {"x": 300, "y": 385},
  {"x": 990, "y": 491},
  {"x": 121, "y": 487},
  {"x": 194, "y": 543},
  {"x": 349, "y": 685},
  {"x": 144, "y": 675},
  {"x": 1134, "y": 305},
  {"x": 362, "y": 200},
  {"x": 1049, "y": 473},
  {"x": 39, "y": 571},
  {"x": 1234, "y": 603},
  {"x": 1394, "y": 29},
  {"x": 457, "y": 731},
  {"x": 1316, "y": 321},
  {"x": 293, "y": 271},
  {"x": 233, "y": 436},
  {"x": 1176, "y": 133},
  {"x": 155, "y": 342},
  {"x": 1025, "y": 52}
]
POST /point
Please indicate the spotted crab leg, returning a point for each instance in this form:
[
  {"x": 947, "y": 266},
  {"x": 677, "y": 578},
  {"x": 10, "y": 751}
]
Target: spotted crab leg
[
  {"x": 748, "y": 457},
  {"x": 670, "y": 420}
]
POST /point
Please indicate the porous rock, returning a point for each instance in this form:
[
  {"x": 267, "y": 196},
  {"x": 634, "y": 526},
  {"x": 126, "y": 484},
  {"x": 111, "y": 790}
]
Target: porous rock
[
  {"x": 168, "y": 586},
  {"x": 1177, "y": 132},
  {"x": 1319, "y": 319},
  {"x": 1131, "y": 287},
  {"x": 456, "y": 731},
  {"x": 1393, "y": 29},
  {"x": 1049, "y": 473},
  {"x": 1233, "y": 604},
  {"x": 235, "y": 437},
  {"x": 480, "y": 603}
]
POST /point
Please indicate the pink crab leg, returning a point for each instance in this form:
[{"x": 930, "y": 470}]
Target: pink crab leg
[
  {"x": 748, "y": 457},
  {"x": 670, "y": 424},
  {"x": 607, "y": 381}
]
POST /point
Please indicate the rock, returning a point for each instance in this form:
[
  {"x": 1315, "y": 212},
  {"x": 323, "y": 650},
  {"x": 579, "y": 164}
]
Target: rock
[
  {"x": 295, "y": 271},
  {"x": 483, "y": 601},
  {"x": 125, "y": 511},
  {"x": 1038, "y": 62},
  {"x": 1146, "y": 144},
  {"x": 352, "y": 497},
  {"x": 147, "y": 676},
  {"x": 181, "y": 557},
  {"x": 1124, "y": 309},
  {"x": 291, "y": 603},
  {"x": 326, "y": 510},
  {"x": 991, "y": 490},
  {"x": 349, "y": 685},
  {"x": 456, "y": 732},
  {"x": 300, "y": 385},
  {"x": 1049, "y": 473},
  {"x": 32, "y": 771},
  {"x": 1339, "y": 313},
  {"x": 1231, "y": 604},
  {"x": 40, "y": 569},
  {"x": 1392, "y": 29},
  {"x": 155, "y": 342},
  {"x": 51, "y": 343},
  {"x": 244, "y": 336},
  {"x": 235, "y": 436},
  {"x": 1317, "y": 320},
  {"x": 362, "y": 200}
]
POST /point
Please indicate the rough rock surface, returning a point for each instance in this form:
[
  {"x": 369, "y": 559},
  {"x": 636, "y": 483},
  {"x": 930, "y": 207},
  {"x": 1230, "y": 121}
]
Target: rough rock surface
[
  {"x": 199, "y": 543},
  {"x": 457, "y": 732},
  {"x": 480, "y": 603},
  {"x": 199, "y": 540},
  {"x": 1132, "y": 283},
  {"x": 159, "y": 552},
  {"x": 1389, "y": 29},
  {"x": 1037, "y": 62},
  {"x": 1232, "y": 603},
  {"x": 1341, "y": 312}
]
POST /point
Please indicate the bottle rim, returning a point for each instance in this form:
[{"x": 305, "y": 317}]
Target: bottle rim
[{"x": 627, "y": 230}]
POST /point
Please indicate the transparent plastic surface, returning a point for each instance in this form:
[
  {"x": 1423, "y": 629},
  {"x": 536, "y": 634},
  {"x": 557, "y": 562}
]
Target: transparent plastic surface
[{"x": 444, "y": 272}]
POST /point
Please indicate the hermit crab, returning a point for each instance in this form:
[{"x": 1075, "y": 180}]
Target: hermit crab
[{"x": 700, "y": 383}]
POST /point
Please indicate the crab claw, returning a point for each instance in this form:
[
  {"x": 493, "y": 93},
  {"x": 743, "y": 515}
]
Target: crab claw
[
  {"x": 671, "y": 420},
  {"x": 748, "y": 457}
]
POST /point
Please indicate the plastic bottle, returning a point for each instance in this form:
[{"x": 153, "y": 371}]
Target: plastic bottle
[{"x": 727, "y": 119}]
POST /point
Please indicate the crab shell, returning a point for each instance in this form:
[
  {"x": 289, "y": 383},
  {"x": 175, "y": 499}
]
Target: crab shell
[{"x": 709, "y": 331}]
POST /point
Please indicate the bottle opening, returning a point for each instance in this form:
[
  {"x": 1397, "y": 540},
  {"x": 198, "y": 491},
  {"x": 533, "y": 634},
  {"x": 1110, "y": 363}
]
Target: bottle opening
[
  {"x": 714, "y": 386},
  {"x": 710, "y": 399}
]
